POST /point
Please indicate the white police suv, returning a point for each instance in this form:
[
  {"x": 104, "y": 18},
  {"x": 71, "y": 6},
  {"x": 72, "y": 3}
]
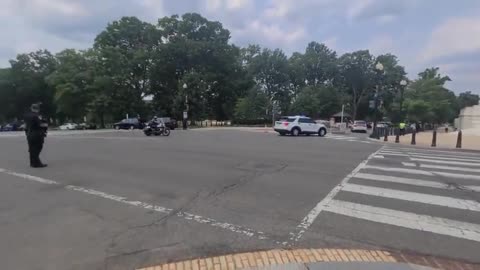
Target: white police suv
[{"x": 296, "y": 125}]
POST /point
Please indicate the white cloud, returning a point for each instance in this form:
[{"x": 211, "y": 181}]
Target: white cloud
[
  {"x": 381, "y": 44},
  {"x": 54, "y": 7},
  {"x": 331, "y": 43},
  {"x": 213, "y": 5},
  {"x": 239, "y": 4},
  {"x": 272, "y": 35},
  {"x": 383, "y": 19},
  {"x": 455, "y": 36},
  {"x": 357, "y": 8},
  {"x": 156, "y": 5}
]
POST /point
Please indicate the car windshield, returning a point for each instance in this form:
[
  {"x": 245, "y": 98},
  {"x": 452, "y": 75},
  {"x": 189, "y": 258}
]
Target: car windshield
[{"x": 239, "y": 134}]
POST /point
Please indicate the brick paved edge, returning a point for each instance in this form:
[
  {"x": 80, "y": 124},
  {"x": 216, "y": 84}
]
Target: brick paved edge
[{"x": 279, "y": 257}]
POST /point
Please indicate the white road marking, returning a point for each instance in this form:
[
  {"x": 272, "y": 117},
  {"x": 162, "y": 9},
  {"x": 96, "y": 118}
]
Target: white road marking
[
  {"x": 408, "y": 220},
  {"x": 414, "y": 197},
  {"x": 30, "y": 177},
  {"x": 308, "y": 220},
  {"x": 446, "y": 162},
  {"x": 379, "y": 156},
  {"x": 185, "y": 215},
  {"x": 393, "y": 154},
  {"x": 352, "y": 140},
  {"x": 457, "y": 175},
  {"x": 422, "y": 172},
  {"x": 455, "y": 158},
  {"x": 428, "y": 151},
  {"x": 409, "y": 164},
  {"x": 341, "y": 138},
  {"x": 443, "y": 167},
  {"x": 413, "y": 182},
  {"x": 402, "y": 170}
]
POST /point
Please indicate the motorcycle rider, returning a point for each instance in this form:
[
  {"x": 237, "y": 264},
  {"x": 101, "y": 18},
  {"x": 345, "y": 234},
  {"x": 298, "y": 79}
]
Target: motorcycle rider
[{"x": 157, "y": 121}]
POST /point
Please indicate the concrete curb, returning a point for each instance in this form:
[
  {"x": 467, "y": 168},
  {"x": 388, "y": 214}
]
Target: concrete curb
[
  {"x": 279, "y": 259},
  {"x": 417, "y": 146}
]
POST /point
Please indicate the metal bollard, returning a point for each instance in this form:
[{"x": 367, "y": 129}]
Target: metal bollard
[
  {"x": 414, "y": 134},
  {"x": 434, "y": 139},
  {"x": 385, "y": 137},
  {"x": 459, "y": 139},
  {"x": 397, "y": 136}
]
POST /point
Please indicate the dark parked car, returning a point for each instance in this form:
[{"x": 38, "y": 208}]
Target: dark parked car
[
  {"x": 87, "y": 126},
  {"x": 131, "y": 123},
  {"x": 11, "y": 127},
  {"x": 169, "y": 122}
]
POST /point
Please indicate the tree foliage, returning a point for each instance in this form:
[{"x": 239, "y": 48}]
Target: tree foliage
[
  {"x": 140, "y": 68},
  {"x": 427, "y": 99}
]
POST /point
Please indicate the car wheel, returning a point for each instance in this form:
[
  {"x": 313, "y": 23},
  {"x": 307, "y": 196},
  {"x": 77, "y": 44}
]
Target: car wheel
[
  {"x": 295, "y": 132},
  {"x": 322, "y": 132}
]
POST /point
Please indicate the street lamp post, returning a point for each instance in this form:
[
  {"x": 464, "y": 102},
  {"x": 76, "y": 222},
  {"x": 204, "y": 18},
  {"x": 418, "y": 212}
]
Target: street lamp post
[
  {"x": 403, "y": 83},
  {"x": 379, "y": 68},
  {"x": 185, "y": 113}
]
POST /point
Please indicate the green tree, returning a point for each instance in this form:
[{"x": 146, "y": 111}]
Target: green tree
[
  {"x": 391, "y": 91},
  {"x": 7, "y": 96},
  {"x": 125, "y": 51},
  {"x": 251, "y": 107},
  {"x": 27, "y": 79},
  {"x": 317, "y": 101},
  {"x": 428, "y": 100},
  {"x": 357, "y": 77},
  {"x": 196, "y": 49},
  {"x": 72, "y": 81},
  {"x": 270, "y": 72},
  {"x": 467, "y": 99}
]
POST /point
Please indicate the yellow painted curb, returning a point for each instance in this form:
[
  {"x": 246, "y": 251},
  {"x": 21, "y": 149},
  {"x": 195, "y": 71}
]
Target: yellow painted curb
[{"x": 277, "y": 257}]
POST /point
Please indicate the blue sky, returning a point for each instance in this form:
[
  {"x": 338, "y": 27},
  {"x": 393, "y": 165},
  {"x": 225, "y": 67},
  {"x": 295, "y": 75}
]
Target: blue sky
[{"x": 422, "y": 33}]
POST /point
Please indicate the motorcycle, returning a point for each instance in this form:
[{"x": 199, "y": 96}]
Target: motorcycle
[{"x": 156, "y": 129}]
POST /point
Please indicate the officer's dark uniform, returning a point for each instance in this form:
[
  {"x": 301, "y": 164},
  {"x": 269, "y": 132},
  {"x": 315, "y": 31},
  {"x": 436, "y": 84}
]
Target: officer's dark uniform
[{"x": 36, "y": 131}]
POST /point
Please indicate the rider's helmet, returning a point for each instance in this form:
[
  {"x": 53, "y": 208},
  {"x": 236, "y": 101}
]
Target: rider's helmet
[{"x": 155, "y": 118}]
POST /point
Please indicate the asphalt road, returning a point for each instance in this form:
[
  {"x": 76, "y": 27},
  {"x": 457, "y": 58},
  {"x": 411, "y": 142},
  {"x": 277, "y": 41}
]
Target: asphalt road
[{"x": 120, "y": 200}]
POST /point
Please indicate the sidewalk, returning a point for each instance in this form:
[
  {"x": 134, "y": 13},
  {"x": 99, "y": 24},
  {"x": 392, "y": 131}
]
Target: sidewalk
[
  {"x": 345, "y": 266},
  {"x": 444, "y": 140},
  {"x": 318, "y": 259}
]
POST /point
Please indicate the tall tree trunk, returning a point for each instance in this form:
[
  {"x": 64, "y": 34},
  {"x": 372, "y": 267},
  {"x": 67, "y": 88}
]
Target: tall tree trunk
[
  {"x": 102, "y": 120},
  {"x": 354, "y": 111}
]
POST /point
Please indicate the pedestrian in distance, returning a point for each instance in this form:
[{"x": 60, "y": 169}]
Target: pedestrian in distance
[
  {"x": 36, "y": 131},
  {"x": 402, "y": 126}
]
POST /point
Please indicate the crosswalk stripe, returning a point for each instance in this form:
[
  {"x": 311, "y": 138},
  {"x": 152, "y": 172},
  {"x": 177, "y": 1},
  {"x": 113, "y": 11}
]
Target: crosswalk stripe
[
  {"x": 341, "y": 138},
  {"x": 456, "y": 158},
  {"x": 422, "y": 172},
  {"x": 428, "y": 151},
  {"x": 403, "y": 170},
  {"x": 393, "y": 154},
  {"x": 409, "y": 164},
  {"x": 445, "y": 162},
  {"x": 457, "y": 175},
  {"x": 413, "y": 182},
  {"x": 451, "y": 168},
  {"x": 408, "y": 220},
  {"x": 414, "y": 197}
]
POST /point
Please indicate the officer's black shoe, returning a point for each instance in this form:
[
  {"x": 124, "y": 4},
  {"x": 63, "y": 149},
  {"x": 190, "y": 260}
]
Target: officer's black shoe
[{"x": 39, "y": 165}]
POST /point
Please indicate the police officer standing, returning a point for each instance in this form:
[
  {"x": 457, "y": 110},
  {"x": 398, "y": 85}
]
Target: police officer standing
[{"x": 36, "y": 131}]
